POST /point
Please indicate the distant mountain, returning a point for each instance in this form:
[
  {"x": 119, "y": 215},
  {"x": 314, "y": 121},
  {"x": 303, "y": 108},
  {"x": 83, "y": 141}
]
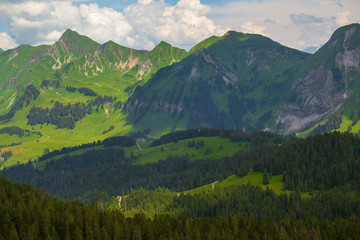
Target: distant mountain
[
  {"x": 250, "y": 82},
  {"x": 1, "y": 50},
  {"x": 236, "y": 81},
  {"x": 79, "y": 91}
]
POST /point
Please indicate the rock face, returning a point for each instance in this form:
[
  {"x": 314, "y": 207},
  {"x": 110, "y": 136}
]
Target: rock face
[
  {"x": 250, "y": 82},
  {"x": 313, "y": 96},
  {"x": 327, "y": 85}
]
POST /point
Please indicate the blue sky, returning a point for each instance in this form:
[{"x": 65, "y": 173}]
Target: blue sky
[{"x": 142, "y": 24}]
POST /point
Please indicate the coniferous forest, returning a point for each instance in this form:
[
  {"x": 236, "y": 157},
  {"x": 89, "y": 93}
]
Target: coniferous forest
[{"x": 155, "y": 206}]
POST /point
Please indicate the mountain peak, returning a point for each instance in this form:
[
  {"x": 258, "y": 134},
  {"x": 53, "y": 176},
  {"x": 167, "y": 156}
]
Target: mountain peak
[
  {"x": 162, "y": 45},
  {"x": 206, "y": 43},
  {"x": 68, "y": 34},
  {"x": 346, "y": 38},
  {"x": 164, "y": 49},
  {"x": 76, "y": 43}
]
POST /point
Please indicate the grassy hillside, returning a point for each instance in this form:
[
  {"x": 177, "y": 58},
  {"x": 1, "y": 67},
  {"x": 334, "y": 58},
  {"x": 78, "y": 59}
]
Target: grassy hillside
[
  {"x": 234, "y": 81},
  {"x": 90, "y": 128},
  {"x": 143, "y": 153},
  {"x": 276, "y": 184},
  {"x": 237, "y": 81},
  {"x": 217, "y": 148},
  {"x": 254, "y": 178},
  {"x": 73, "y": 62}
]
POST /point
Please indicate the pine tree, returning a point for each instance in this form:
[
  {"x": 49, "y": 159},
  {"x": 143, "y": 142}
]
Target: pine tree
[{"x": 265, "y": 178}]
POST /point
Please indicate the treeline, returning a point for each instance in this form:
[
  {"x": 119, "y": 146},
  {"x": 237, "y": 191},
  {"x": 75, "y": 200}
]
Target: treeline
[
  {"x": 334, "y": 122},
  {"x": 10, "y": 145},
  {"x": 255, "y": 138},
  {"x": 56, "y": 84},
  {"x": 248, "y": 201},
  {"x": 87, "y": 92},
  {"x": 28, "y": 213},
  {"x": 94, "y": 171},
  {"x": 123, "y": 141},
  {"x": 13, "y": 131},
  {"x": 83, "y": 90},
  {"x": 318, "y": 162},
  {"x": 65, "y": 116},
  {"x": 50, "y": 83},
  {"x": 315, "y": 163},
  {"x": 30, "y": 93},
  {"x": 112, "y": 172},
  {"x": 59, "y": 115}
]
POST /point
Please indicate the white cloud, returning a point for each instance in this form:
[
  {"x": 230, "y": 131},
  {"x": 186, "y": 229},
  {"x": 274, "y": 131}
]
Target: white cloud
[
  {"x": 145, "y": 2},
  {"x": 184, "y": 24},
  {"x": 6, "y": 42},
  {"x": 141, "y": 25},
  {"x": 249, "y": 27},
  {"x": 342, "y": 18},
  {"x": 299, "y": 24}
]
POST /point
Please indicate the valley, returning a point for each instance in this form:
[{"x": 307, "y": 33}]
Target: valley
[{"x": 238, "y": 138}]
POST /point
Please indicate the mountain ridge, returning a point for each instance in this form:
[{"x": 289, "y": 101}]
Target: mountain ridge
[
  {"x": 302, "y": 94},
  {"x": 240, "y": 81},
  {"x": 233, "y": 58},
  {"x": 325, "y": 86},
  {"x": 58, "y": 71}
]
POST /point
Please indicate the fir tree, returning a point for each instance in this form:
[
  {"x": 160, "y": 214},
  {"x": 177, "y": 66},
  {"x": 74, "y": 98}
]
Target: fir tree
[{"x": 265, "y": 178}]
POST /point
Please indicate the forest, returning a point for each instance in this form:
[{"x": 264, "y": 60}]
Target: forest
[
  {"x": 316, "y": 163},
  {"x": 65, "y": 116},
  {"x": 248, "y": 201},
  {"x": 28, "y": 213},
  {"x": 110, "y": 171},
  {"x": 321, "y": 172}
]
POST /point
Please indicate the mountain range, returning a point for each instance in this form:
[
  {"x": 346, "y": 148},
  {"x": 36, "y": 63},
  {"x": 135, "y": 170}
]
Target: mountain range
[
  {"x": 245, "y": 81},
  {"x": 77, "y": 91}
]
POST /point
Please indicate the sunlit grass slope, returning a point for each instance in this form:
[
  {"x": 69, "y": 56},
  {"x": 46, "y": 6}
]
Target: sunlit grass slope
[
  {"x": 143, "y": 153},
  {"x": 254, "y": 178}
]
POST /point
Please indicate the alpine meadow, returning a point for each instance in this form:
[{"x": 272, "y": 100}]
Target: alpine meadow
[{"x": 238, "y": 138}]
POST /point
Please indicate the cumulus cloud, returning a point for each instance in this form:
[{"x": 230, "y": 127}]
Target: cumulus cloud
[
  {"x": 184, "y": 24},
  {"x": 140, "y": 25},
  {"x": 299, "y": 24},
  {"x": 6, "y": 42},
  {"x": 342, "y": 18},
  {"x": 249, "y": 27}
]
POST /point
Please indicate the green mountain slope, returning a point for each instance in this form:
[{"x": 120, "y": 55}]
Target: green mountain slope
[
  {"x": 246, "y": 81},
  {"x": 77, "y": 71},
  {"x": 78, "y": 91},
  {"x": 235, "y": 81}
]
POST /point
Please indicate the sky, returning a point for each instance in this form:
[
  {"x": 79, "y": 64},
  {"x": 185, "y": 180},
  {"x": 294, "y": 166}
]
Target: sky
[{"x": 141, "y": 24}]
